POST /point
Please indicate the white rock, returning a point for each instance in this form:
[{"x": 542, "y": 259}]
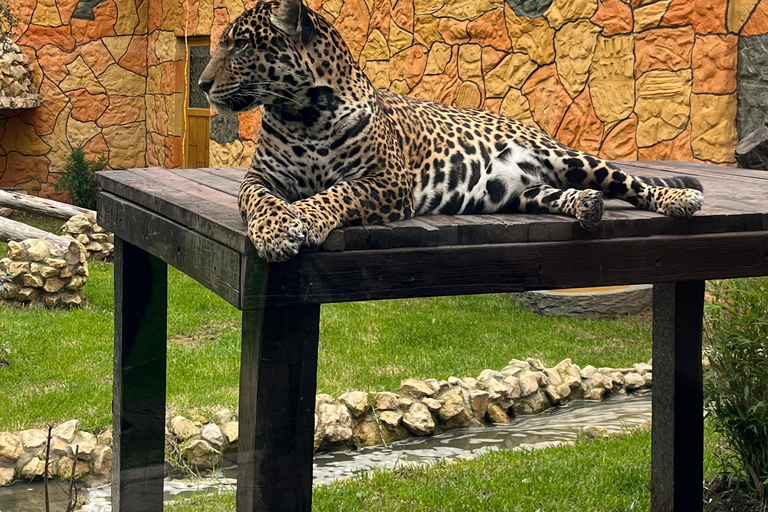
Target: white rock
[
  {"x": 34, "y": 438},
  {"x": 200, "y": 453},
  {"x": 386, "y": 401},
  {"x": 418, "y": 420},
  {"x": 66, "y": 430},
  {"x": 33, "y": 468},
  {"x": 643, "y": 368},
  {"x": 390, "y": 418},
  {"x": 633, "y": 381},
  {"x": 454, "y": 413},
  {"x": 6, "y": 476},
  {"x": 336, "y": 421},
  {"x": 224, "y": 416},
  {"x": 102, "y": 461},
  {"x": 416, "y": 388},
  {"x": 105, "y": 438},
  {"x": 212, "y": 433},
  {"x": 588, "y": 371},
  {"x": 512, "y": 385},
  {"x": 497, "y": 414},
  {"x": 184, "y": 428},
  {"x": 231, "y": 431},
  {"x": 10, "y": 446},
  {"x": 432, "y": 404},
  {"x": 528, "y": 383},
  {"x": 356, "y": 401}
]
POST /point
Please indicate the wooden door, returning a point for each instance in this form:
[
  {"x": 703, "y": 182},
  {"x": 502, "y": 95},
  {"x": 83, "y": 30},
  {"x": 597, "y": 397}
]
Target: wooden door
[{"x": 197, "y": 112}]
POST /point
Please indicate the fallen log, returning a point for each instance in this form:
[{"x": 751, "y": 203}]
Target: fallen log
[
  {"x": 14, "y": 231},
  {"x": 40, "y": 206},
  {"x": 752, "y": 151}
]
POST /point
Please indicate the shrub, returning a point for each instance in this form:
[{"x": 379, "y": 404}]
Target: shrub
[
  {"x": 78, "y": 178},
  {"x": 736, "y": 381}
]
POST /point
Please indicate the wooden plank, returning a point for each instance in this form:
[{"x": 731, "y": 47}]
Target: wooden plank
[
  {"x": 219, "y": 222},
  {"x": 138, "y": 403},
  {"x": 677, "y": 451},
  {"x": 448, "y": 227},
  {"x": 499, "y": 228},
  {"x": 209, "y": 180},
  {"x": 231, "y": 173},
  {"x": 459, "y": 270},
  {"x": 703, "y": 171},
  {"x": 413, "y": 233},
  {"x": 278, "y": 374},
  {"x": 211, "y": 263}
]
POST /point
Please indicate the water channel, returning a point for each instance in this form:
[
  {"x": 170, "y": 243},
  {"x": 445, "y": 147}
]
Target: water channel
[{"x": 528, "y": 432}]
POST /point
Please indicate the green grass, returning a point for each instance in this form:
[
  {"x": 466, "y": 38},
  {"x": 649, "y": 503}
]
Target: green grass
[
  {"x": 61, "y": 362},
  {"x": 598, "y": 476}
]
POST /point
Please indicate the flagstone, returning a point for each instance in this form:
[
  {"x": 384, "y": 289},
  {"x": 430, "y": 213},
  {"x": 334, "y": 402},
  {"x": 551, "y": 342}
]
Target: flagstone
[
  {"x": 620, "y": 142},
  {"x": 548, "y": 98}
]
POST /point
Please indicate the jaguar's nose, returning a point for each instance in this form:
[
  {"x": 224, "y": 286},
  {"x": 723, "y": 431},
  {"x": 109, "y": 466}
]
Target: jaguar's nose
[{"x": 205, "y": 85}]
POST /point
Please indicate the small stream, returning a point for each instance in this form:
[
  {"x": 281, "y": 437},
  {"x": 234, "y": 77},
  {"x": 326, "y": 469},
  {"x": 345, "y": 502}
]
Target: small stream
[{"x": 528, "y": 432}]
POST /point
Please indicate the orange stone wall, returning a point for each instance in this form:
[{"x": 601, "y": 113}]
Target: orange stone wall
[
  {"x": 629, "y": 80},
  {"x": 92, "y": 76}
]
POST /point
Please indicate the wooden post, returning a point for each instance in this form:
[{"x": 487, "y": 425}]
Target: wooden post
[
  {"x": 677, "y": 453},
  {"x": 278, "y": 379},
  {"x": 138, "y": 403}
]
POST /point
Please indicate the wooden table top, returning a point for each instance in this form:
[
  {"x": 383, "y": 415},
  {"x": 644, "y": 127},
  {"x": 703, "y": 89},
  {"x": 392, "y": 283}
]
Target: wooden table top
[
  {"x": 189, "y": 219},
  {"x": 205, "y": 200}
]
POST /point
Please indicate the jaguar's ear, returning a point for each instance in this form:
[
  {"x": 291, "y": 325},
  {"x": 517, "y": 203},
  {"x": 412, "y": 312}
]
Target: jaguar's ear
[{"x": 292, "y": 18}]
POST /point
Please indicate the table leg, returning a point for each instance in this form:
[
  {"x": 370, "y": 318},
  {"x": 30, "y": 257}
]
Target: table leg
[
  {"x": 138, "y": 403},
  {"x": 677, "y": 454},
  {"x": 278, "y": 380}
]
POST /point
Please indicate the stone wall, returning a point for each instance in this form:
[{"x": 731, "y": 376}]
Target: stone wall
[
  {"x": 22, "y": 454},
  {"x": 635, "y": 79},
  {"x": 355, "y": 420},
  {"x": 98, "y": 243},
  {"x": 38, "y": 272},
  {"x": 17, "y": 89},
  {"x": 89, "y": 63}
]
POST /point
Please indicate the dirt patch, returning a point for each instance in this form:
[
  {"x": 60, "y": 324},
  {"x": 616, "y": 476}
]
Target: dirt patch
[
  {"x": 207, "y": 334},
  {"x": 720, "y": 495}
]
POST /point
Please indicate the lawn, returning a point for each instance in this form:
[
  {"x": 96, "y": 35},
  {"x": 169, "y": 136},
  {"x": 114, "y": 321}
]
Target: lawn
[
  {"x": 608, "y": 475},
  {"x": 61, "y": 362}
]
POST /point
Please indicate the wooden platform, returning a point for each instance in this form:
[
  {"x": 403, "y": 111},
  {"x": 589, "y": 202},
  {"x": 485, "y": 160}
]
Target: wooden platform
[{"x": 189, "y": 219}]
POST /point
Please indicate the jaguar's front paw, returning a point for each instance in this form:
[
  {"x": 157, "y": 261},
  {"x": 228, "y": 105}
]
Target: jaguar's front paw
[
  {"x": 682, "y": 202},
  {"x": 277, "y": 238},
  {"x": 312, "y": 222}
]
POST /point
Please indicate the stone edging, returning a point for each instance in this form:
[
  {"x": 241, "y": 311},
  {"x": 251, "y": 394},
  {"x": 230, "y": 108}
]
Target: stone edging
[{"x": 354, "y": 420}]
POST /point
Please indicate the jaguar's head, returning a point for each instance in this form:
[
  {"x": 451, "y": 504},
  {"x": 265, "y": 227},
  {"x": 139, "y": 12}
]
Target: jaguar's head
[{"x": 262, "y": 57}]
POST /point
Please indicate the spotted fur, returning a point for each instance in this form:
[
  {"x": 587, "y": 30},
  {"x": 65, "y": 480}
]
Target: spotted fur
[{"x": 335, "y": 151}]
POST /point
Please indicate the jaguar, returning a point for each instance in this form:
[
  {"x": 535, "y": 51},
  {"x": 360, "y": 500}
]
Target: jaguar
[{"x": 334, "y": 151}]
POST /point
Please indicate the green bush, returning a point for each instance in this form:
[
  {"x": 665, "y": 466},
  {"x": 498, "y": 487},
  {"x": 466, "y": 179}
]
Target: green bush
[
  {"x": 736, "y": 380},
  {"x": 78, "y": 178}
]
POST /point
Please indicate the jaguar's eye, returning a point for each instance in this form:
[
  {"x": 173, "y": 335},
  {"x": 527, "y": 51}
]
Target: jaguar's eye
[{"x": 240, "y": 44}]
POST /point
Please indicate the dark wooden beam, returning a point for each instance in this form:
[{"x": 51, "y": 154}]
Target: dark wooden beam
[
  {"x": 209, "y": 262},
  {"x": 278, "y": 373},
  {"x": 677, "y": 454},
  {"x": 138, "y": 403},
  {"x": 323, "y": 277}
]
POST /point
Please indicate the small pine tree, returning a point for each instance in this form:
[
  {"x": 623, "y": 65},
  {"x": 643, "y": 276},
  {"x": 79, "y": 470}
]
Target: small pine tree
[{"x": 79, "y": 180}]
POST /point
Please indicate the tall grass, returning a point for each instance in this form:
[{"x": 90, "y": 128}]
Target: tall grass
[{"x": 736, "y": 381}]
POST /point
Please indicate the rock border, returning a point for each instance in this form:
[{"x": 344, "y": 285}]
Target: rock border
[{"x": 355, "y": 420}]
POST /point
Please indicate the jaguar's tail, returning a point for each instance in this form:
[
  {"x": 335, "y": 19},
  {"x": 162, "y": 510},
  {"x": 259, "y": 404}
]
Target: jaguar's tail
[{"x": 674, "y": 182}]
